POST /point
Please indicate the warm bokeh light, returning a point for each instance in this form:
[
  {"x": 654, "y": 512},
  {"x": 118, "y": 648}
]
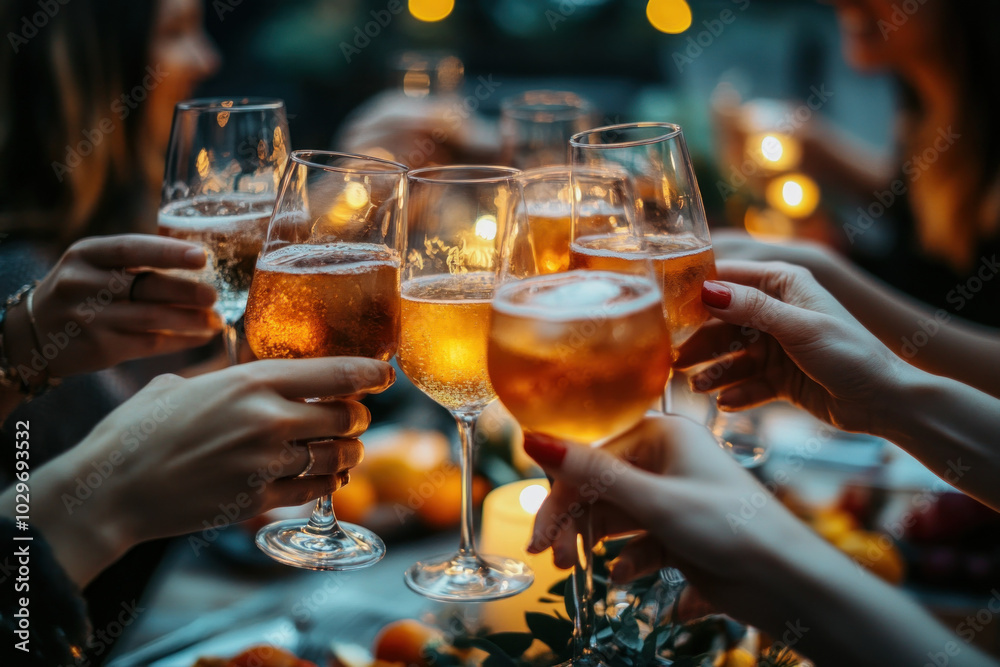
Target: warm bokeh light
[
  {"x": 431, "y": 10},
  {"x": 795, "y": 195},
  {"x": 486, "y": 227},
  {"x": 775, "y": 151},
  {"x": 355, "y": 195},
  {"x": 532, "y": 497},
  {"x": 768, "y": 224},
  {"x": 670, "y": 16},
  {"x": 771, "y": 148},
  {"x": 792, "y": 193}
]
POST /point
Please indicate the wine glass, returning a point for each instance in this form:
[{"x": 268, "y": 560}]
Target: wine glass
[
  {"x": 456, "y": 215},
  {"x": 224, "y": 162},
  {"x": 675, "y": 229},
  {"x": 581, "y": 354},
  {"x": 671, "y": 214},
  {"x": 535, "y": 126},
  {"x": 601, "y": 199},
  {"x": 327, "y": 284}
]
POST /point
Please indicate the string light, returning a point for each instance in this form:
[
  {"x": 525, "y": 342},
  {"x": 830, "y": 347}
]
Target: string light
[
  {"x": 670, "y": 16},
  {"x": 431, "y": 10}
]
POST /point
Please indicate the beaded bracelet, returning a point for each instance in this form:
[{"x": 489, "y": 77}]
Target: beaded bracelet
[{"x": 9, "y": 376}]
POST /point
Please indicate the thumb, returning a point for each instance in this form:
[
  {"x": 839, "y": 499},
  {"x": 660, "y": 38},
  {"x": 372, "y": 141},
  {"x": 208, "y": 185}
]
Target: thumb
[
  {"x": 751, "y": 308},
  {"x": 582, "y": 476}
]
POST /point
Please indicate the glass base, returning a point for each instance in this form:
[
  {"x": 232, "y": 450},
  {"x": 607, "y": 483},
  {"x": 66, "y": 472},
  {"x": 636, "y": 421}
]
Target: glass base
[
  {"x": 748, "y": 451},
  {"x": 455, "y": 578},
  {"x": 291, "y": 542}
]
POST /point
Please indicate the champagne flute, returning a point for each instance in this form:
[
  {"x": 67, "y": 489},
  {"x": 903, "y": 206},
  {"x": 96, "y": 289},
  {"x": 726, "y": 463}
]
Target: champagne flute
[
  {"x": 535, "y": 126},
  {"x": 456, "y": 215},
  {"x": 581, "y": 354},
  {"x": 327, "y": 284},
  {"x": 224, "y": 162}
]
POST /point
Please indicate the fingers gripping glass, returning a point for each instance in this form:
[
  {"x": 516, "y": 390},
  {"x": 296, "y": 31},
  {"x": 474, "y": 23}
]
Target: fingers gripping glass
[{"x": 327, "y": 285}]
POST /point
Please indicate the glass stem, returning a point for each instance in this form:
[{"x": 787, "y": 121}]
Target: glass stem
[
  {"x": 231, "y": 339},
  {"x": 667, "y": 399},
  {"x": 322, "y": 521},
  {"x": 583, "y": 593},
  {"x": 466, "y": 431}
]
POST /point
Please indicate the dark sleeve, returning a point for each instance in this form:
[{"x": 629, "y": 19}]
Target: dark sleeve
[{"x": 56, "y": 614}]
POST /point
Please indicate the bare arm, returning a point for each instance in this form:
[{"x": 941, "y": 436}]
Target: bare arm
[{"x": 934, "y": 341}]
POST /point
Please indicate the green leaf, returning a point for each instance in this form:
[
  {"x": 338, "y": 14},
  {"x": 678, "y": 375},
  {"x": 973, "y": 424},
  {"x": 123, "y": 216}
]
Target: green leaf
[
  {"x": 512, "y": 643},
  {"x": 558, "y": 588},
  {"x": 628, "y": 635},
  {"x": 498, "y": 658},
  {"x": 555, "y": 633}
]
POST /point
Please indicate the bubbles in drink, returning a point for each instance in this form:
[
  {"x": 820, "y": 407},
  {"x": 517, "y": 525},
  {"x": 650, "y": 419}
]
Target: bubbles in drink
[{"x": 232, "y": 228}]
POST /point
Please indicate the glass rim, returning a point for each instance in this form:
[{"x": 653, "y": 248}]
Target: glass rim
[
  {"x": 217, "y": 104},
  {"x": 497, "y": 174},
  {"x": 568, "y": 170},
  {"x": 301, "y": 157},
  {"x": 671, "y": 131},
  {"x": 565, "y": 105}
]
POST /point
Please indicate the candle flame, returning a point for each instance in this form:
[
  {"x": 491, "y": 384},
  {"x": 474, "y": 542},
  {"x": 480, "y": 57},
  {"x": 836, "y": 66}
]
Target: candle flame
[{"x": 531, "y": 497}]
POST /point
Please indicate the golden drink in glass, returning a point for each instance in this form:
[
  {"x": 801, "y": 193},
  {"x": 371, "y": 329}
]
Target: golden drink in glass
[
  {"x": 682, "y": 263},
  {"x": 442, "y": 346},
  {"x": 579, "y": 355},
  {"x": 324, "y": 300}
]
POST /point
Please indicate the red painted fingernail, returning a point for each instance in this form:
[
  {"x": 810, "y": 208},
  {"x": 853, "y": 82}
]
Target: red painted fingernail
[
  {"x": 547, "y": 451},
  {"x": 716, "y": 294}
]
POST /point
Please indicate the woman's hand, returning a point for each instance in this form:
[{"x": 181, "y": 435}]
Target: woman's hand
[
  {"x": 738, "y": 546},
  {"x": 669, "y": 479},
  {"x": 183, "y": 452},
  {"x": 782, "y": 336},
  {"x": 97, "y": 308}
]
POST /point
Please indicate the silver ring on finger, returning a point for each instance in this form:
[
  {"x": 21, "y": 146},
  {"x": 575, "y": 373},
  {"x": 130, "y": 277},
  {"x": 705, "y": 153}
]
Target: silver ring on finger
[
  {"x": 310, "y": 464},
  {"x": 135, "y": 281}
]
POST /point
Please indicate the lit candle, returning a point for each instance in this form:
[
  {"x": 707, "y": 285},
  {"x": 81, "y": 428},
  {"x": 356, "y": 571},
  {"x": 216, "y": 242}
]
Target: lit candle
[{"x": 508, "y": 516}]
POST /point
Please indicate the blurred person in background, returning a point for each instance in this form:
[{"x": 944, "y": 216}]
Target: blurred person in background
[
  {"x": 87, "y": 91},
  {"x": 941, "y": 190}
]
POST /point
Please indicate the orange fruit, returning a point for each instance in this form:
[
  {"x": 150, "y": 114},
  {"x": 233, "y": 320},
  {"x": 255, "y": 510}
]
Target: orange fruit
[
  {"x": 739, "y": 657},
  {"x": 353, "y": 502},
  {"x": 440, "y": 499},
  {"x": 833, "y": 524},
  {"x": 405, "y": 642},
  {"x": 875, "y": 552},
  {"x": 398, "y": 465}
]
